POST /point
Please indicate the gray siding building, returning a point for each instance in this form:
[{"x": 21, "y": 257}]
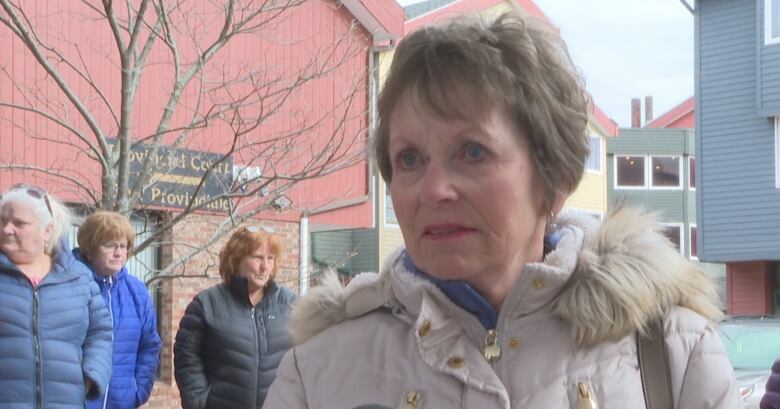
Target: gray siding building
[
  {"x": 737, "y": 66},
  {"x": 656, "y": 169}
]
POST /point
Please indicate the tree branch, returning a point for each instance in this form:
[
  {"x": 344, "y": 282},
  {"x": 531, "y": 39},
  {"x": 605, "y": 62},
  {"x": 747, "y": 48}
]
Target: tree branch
[
  {"x": 76, "y": 182},
  {"x": 31, "y": 44}
]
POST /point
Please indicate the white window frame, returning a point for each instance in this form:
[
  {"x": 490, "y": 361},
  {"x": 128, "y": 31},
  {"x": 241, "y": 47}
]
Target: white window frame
[
  {"x": 691, "y": 226},
  {"x": 682, "y": 234},
  {"x": 768, "y": 39},
  {"x": 615, "y": 178},
  {"x": 649, "y": 172},
  {"x": 777, "y": 152},
  {"x": 600, "y": 170},
  {"x": 692, "y": 158},
  {"x": 387, "y": 202}
]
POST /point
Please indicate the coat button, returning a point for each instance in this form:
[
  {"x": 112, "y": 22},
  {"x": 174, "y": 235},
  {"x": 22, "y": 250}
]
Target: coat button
[
  {"x": 425, "y": 327},
  {"x": 514, "y": 343},
  {"x": 456, "y": 362},
  {"x": 538, "y": 283}
]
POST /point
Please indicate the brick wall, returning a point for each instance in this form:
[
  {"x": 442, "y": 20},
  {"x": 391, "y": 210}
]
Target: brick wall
[{"x": 176, "y": 292}]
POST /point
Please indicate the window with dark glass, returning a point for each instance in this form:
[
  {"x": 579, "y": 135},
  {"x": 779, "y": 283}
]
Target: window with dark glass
[
  {"x": 694, "y": 242},
  {"x": 673, "y": 233},
  {"x": 630, "y": 171},
  {"x": 665, "y": 171},
  {"x": 692, "y": 172}
]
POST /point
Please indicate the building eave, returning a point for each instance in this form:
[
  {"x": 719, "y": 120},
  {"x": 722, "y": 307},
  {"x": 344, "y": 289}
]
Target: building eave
[{"x": 384, "y": 19}]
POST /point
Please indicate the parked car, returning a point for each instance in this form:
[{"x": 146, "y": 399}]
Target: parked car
[{"x": 753, "y": 344}]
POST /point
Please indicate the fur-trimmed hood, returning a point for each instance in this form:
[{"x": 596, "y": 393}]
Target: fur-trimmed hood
[{"x": 615, "y": 278}]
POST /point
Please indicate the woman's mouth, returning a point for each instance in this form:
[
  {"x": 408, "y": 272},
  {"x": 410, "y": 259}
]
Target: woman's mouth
[{"x": 446, "y": 232}]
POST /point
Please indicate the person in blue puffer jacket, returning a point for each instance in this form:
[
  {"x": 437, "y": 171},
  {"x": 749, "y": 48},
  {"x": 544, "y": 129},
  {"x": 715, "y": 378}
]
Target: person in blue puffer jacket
[
  {"x": 106, "y": 240},
  {"x": 55, "y": 331}
]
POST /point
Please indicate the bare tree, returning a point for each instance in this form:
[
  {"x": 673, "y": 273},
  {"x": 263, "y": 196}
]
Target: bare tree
[{"x": 221, "y": 131}]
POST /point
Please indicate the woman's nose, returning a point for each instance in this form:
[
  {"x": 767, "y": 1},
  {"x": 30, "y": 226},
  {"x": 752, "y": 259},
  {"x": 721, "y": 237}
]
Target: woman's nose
[
  {"x": 7, "y": 228},
  {"x": 437, "y": 185}
]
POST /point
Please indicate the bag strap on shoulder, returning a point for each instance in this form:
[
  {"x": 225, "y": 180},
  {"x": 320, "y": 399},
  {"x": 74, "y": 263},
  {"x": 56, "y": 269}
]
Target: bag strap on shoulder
[{"x": 654, "y": 367}]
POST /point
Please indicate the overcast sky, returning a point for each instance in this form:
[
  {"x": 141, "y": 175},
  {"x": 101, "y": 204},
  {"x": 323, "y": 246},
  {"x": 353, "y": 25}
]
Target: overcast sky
[{"x": 627, "y": 49}]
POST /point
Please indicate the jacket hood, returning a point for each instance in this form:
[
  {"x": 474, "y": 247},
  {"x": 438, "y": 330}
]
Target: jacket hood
[{"x": 625, "y": 276}]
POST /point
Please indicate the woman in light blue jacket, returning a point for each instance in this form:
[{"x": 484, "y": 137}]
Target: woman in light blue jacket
[{"x": 55, "y": 332}]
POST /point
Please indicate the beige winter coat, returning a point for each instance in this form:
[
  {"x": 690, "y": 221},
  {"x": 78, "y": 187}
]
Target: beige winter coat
[{"x": 566, "y": 333}]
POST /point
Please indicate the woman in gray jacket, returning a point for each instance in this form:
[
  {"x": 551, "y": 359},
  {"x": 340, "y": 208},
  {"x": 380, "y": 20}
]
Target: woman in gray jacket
[
  {"x": 233, "y": 335},
  {"x": 498, "y": 300}
]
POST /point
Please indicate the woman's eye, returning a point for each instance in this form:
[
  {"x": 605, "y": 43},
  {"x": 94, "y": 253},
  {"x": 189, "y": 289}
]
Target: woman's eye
[
  {"x": 408, "y": 159},
  {"x": 475, "y": 151}
]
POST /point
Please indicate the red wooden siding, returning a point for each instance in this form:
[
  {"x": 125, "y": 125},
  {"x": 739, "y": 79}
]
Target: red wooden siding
[{"x": 289, "y": 45}]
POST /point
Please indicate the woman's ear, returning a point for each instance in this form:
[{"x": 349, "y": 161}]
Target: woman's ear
[
  {"x": 47, "y": 232},
  {"x": 560, "y": 200}
]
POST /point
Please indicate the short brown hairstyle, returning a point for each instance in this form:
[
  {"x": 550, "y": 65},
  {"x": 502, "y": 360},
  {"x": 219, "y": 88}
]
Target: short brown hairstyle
[
  {"x": 243, "y": 243},
  {"x": 514, "y": 63},
  {"x": 103, "y": 226}
]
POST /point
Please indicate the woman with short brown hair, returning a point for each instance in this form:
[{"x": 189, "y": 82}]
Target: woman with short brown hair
[
  {"x": 105, "y": 243},
  {"x": 497, "y": 300}
]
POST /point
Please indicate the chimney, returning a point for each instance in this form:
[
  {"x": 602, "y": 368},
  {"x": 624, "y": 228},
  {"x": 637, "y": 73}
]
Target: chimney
[
  {"x": 648, "y": 109},
  {"x": 636, "y": 112}
]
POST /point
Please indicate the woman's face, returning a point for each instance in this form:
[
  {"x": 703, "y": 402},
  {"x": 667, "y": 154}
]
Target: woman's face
[
  {"x": 466, "y": 195},
  {"x": 109, "y": 257},
  {"x": 257, "y": 267},
  {"x": 22, "y": 238}
]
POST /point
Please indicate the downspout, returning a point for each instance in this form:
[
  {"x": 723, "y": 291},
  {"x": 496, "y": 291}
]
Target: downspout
[{"x": 303, "y": 255}]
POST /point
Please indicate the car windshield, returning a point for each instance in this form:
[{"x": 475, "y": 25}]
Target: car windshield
[{"x": 751, "y": 347}]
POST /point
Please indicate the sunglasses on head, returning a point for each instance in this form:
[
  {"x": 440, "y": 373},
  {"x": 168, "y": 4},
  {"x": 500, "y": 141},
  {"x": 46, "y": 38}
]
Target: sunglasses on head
[
  {"x": 255, "y": 229},
  {"x": 35, "y": 192}
]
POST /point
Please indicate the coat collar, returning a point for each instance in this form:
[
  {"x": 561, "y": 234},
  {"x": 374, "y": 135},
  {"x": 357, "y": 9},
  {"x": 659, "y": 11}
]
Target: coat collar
[
  {"x": 238, "y": 288},
  {"x": 99, "y": 279},
  {"x": 606, "y": 280}
]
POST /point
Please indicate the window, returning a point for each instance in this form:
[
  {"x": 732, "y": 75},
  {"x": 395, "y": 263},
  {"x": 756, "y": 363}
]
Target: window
[
  {"x": 390, "y": 218},
  {"x": 594, "y": 159},
  {"x": 630, "y": 171},
  {"x": 673, "y": 231},
  {"x": 692, "y": 172},
  {"x": 694, "y": 240},
  {"x": 772, "y": 21},
  {"x": 777, "y": 152},
  {"x": 665, "y": 172}
]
